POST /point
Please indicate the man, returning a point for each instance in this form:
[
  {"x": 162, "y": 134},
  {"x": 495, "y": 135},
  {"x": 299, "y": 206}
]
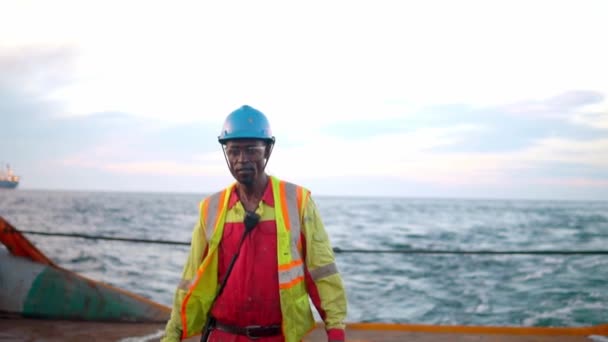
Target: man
[{"x": 259, "y": 251}]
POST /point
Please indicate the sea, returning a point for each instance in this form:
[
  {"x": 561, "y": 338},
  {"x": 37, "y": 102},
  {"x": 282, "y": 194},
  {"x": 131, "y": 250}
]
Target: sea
[{"x": 387, "y": 273}]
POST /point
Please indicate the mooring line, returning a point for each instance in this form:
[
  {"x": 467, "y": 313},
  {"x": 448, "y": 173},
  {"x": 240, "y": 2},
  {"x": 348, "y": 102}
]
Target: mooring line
[{"x": 341, "y": 250}]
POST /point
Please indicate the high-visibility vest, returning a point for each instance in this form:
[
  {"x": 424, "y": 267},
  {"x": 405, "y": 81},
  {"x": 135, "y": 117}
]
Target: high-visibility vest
[{"x": 295, "y": 306}]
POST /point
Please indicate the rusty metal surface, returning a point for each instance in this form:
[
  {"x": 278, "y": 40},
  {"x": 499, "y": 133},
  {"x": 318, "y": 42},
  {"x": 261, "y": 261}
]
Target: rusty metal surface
[
  {"x": 55, "y": 331},
  {"x": 19, "y": 245}
]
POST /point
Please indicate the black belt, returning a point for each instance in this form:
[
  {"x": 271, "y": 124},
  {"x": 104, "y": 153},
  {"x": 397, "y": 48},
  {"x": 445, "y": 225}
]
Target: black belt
[{"x": 251, "y": 331}]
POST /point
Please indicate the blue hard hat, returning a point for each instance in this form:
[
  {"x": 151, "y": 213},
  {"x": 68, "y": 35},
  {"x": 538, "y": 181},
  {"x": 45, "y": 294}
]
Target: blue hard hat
[{"x": 246, "y": 123}]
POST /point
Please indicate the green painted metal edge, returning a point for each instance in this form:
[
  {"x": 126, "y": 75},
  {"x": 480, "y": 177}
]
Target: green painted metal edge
[{"x": 61, "y": 294}]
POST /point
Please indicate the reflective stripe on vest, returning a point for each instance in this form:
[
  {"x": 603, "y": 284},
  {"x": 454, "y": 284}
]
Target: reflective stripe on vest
[
  {"x": 204, "y": 285},
  {"x": 291, "y": 270},
  {"x": 212, "y": 211}
]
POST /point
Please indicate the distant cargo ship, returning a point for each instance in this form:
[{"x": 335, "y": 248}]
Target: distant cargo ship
[{"x": 8, "y": 180}]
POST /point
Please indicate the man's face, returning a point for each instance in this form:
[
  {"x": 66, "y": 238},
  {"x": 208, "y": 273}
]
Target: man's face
[{"x": 246, "y": 159}]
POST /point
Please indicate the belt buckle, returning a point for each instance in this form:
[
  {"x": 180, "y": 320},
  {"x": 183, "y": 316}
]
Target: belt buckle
[{"x": 250, "y": 328}]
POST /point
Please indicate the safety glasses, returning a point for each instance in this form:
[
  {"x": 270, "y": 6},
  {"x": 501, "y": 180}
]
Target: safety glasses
[{"x": 249, "y": 152}]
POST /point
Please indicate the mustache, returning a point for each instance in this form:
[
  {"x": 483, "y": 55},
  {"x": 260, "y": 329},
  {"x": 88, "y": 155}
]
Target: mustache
[{"x": 245, "y": 168}]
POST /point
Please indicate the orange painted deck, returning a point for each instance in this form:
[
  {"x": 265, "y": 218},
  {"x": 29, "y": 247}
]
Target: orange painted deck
[{"x": 19, "y": 329}]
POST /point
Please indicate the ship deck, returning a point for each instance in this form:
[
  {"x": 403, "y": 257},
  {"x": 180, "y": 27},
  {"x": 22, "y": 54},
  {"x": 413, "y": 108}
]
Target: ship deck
[{"x": 20, "y": 329}]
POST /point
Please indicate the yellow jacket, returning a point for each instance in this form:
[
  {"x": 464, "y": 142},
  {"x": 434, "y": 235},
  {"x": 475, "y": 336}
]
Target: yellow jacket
[{"x": 296, "y": 216}]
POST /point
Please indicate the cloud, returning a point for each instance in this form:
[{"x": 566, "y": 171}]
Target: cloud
[
  {"x": 575, "y": 182},
  {"x": 590, "y": 153},
  {"x": 39, "y": 139},
  {"x": 28, "y": 78},
  {"x": 598, "y": 120},
  {"x": 370, "y": 99},
  {"x": 512, "y": 127},
  {"x": 205, "y": 164},
  {"x": 560, "y": 106},
  {"x": 594, "y": 115},
  {"x": 387, "y": 155},
  {"x": 35, "y": 71},
  {"x": 206, "y": 59},
  {"x": 449, "y": 155}
]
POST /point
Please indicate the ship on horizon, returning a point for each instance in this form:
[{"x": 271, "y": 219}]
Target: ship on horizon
[{"x": 8, "y": 180}]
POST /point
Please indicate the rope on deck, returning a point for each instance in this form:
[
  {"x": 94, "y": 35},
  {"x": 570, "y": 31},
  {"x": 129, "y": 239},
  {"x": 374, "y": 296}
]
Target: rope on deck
[{"x": 346, "y": 250}]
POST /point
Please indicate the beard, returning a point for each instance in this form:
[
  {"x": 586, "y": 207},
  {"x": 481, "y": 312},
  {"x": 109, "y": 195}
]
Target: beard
[
  {"x": 245, "y": 176},
  {"x": 247, "y": 180}
]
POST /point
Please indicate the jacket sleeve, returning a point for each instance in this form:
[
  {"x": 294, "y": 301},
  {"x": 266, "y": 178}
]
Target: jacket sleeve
[
  {"x": 325, "y": 283},
  {"x": 198, "y": 245}
]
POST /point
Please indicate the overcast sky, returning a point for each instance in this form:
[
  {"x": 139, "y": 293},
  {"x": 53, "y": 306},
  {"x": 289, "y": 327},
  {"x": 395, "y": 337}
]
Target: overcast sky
[{"x": 474, "y": 99}]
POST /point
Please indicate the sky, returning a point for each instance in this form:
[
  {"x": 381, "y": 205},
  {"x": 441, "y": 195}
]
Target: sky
[{"x": 455, "y": 99}]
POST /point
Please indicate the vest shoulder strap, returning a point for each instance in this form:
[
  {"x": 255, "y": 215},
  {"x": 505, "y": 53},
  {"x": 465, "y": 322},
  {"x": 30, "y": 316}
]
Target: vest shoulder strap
[{"x": 212, "y": 209}]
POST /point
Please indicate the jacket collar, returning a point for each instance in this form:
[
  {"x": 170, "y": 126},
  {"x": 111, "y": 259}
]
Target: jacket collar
[{"x": 267, "y": 197}]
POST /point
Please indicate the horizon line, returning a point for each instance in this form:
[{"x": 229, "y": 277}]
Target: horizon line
[{"x": 351, "y": 196}]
